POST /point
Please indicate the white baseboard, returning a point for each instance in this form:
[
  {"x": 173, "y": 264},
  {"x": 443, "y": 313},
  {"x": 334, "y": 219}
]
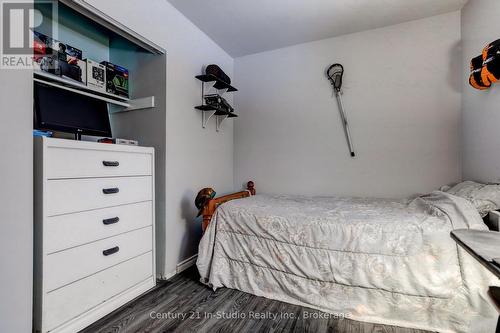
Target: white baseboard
[
  {"x": 165, "y": 276},
  {"x": 181, "y": 267},
  {"x": 185, "y": 264}
]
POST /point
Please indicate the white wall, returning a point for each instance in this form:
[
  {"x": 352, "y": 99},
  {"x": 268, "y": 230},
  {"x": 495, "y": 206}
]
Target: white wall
[
  {"x": 16, "y": 200},
  {"x": 481, "y": 109},
  {"x": 195, "y": 157},
  {"x": 402, "y": 95}
]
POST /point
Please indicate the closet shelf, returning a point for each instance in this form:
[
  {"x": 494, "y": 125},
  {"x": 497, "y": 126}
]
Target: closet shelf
[
  {"x": 62, "y": 83},
  {"x": 218, "y": 112},
  {"x": 84, "y": 93},
  {"x": 219, "y": 84},
  {"x": 74, "y": 84}
]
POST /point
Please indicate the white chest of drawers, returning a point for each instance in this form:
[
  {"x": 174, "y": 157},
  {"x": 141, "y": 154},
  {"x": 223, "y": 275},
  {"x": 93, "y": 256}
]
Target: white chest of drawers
[{"x": 94, "y": 230}]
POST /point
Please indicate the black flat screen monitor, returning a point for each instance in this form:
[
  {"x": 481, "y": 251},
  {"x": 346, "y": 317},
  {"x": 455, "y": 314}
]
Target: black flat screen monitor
[{"x": 62, "y": 110}]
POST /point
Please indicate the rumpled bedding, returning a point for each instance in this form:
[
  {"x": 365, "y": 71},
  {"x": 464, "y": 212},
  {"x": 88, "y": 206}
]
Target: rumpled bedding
[{"x": 377, "y": 260}]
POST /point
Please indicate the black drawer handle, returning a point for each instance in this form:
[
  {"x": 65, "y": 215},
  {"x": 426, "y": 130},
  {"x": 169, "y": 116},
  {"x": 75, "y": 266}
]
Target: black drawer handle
[
  {"x": 110, "y": 190},
  {"x": 111, "y": 251},
  {"x": 111, "y": 163},
  {"x": 111, "y": 221}
]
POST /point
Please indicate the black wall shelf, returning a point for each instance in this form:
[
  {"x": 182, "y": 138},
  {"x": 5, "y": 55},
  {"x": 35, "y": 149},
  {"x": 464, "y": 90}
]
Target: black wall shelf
[
  {"x": 208, "y": 110},
  {"x": 219, "y": 84},
  {"x": 218, "y": 112}
]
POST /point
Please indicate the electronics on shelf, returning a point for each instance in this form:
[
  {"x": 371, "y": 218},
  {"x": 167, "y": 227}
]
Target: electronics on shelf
[
  {"x": 116, "y": 79},
  {"x": 96, "y": 76},
  {"x": 76, "y": 67},
  {"x": 47, "y": 134},
  {"x": 58, "y": 58},
  {"x": 218, "y": 102},
  {"x": 118, "y": 141}
]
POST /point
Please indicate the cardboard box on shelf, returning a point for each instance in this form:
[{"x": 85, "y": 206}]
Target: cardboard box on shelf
[
  {"x": 116, "y": 79},
  {"x": 96, "y": 76}
]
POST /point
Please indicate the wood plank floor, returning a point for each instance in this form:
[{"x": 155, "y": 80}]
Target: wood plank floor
[{"x": 188, "y": 306}]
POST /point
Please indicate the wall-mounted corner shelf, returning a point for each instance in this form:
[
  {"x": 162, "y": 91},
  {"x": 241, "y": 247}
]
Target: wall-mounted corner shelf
[
  {"x": 213, "y": 111},
  {"x": 218, "y": 112},
  {"x": 82, "y": 89},
  {"x": 219, "y": 84},
  {"x": 208, "y": 111}
]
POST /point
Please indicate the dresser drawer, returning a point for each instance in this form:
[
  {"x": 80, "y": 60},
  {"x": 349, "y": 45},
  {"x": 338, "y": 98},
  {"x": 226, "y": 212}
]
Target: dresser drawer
[
  {"x": 76, "y": 263},
  {"x": 79, "y": 163},
  {"x": 70, "y": 230},
  {"x": 66, "y": 303},
  {"x": 76, "y": 195}
]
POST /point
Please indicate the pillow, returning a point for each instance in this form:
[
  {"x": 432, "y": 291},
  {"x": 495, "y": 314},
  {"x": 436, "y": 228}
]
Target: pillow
[{"x": 485, "y": 197}]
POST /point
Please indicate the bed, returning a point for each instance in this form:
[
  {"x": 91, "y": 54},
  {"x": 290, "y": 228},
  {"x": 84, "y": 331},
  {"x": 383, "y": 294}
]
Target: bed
[{"x": 377, "y": 260}]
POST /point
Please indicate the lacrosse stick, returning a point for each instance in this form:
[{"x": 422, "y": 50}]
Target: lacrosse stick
[{"x": 335, "y": 74}]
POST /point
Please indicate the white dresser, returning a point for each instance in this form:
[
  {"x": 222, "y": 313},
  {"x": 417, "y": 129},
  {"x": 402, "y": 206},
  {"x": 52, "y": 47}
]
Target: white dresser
[{"x": 94, "y": 230}]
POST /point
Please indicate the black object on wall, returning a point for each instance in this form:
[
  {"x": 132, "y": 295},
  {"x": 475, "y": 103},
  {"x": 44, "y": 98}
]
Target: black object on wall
[
  {"x": 485, "y": 68},
  {"x": 218, "y": 73}
]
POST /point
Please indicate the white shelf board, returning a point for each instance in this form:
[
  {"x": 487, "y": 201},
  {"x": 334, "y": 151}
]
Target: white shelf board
[
  {"x": 76, "y": 84},
  {"x": 81, "y": 92},
  {"x": 80, "y": 88},
  {"x": 140, "y": 104}
]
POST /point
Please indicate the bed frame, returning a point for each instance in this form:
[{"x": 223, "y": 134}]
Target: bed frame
[{"x": 209, "y": 209}]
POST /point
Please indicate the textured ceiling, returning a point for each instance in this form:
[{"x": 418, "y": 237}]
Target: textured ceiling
[{"x": 244, "y": 27}]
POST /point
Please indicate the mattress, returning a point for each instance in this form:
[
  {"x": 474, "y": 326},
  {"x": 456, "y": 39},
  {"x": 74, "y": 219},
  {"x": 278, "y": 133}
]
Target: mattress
[{"x": 377, "y": 260}]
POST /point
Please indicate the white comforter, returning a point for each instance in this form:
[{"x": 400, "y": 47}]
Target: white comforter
[{"x": 382, "y": 261}]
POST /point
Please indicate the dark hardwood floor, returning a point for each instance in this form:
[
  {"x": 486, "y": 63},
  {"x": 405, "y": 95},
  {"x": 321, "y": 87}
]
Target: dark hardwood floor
[{"x": 183, "y": 304}]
